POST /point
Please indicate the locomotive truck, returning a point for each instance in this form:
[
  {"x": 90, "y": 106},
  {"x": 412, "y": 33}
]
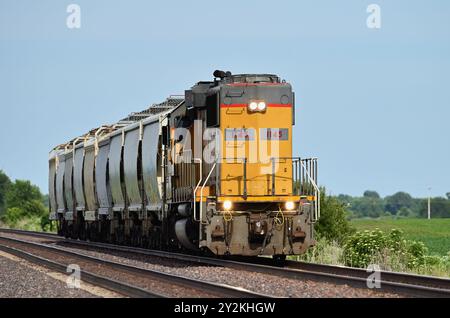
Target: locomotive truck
[{"x": 210, "y": 171}]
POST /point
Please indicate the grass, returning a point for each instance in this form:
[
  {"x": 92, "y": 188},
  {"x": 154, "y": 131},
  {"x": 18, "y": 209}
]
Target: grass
[
  {"x": 434, "y": 233},
  {"x": 29, "y": 224},
  {"x": 32, "y": 223}
]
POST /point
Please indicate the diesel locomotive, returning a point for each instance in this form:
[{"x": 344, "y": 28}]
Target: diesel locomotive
[{"x": 210, "y": 171}]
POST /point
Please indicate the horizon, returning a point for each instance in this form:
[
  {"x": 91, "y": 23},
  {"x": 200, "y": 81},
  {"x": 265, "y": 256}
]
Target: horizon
[{"x": 372, "y": 105}]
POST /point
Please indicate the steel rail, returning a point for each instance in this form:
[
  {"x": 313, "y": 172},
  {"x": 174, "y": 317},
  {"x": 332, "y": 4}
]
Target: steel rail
[
  {"x": 221, "y": 290},
  {"x": 405, "y": 278},
  {"x": 107, "y": 283},
  {"x": 404, "y": 283},
  {"x": 31, "y": 233}
]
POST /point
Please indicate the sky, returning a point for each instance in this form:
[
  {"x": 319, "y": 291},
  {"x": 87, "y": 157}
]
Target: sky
[{"x": 372, "y": 104}]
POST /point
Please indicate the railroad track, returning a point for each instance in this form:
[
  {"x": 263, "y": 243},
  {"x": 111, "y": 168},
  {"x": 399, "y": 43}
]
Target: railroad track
[
  {"x": 113, "y": 285},
  {"x": 184, "y": 286},
  {"x": 410, "y": 285}
]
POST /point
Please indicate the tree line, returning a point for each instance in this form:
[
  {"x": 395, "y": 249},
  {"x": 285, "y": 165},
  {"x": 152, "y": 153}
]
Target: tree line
[
  {"x": 372, "y": 205},
  {"x": 22, "y": 204}
]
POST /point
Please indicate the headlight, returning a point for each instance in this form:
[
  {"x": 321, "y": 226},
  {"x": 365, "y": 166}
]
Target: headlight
[
  {"x": 227, "y": 205},
  {"x": 253, "y": 106},
  {"x": 261, "y": 106},
  {"x": 290, "y": 205}
]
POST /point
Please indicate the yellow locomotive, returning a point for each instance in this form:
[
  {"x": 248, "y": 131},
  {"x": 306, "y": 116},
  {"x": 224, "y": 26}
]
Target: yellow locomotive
[{"x": 211, "y": 171}]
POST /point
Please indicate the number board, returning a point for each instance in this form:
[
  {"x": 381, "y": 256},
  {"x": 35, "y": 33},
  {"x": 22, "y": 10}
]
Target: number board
[
  {"x": 240, "y": 134},
  {"x": 274, "y": 134}
]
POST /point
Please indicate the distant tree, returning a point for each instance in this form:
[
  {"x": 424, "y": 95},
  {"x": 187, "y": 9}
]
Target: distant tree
[
  {"x": 345, "y": 198},
  {"x": 20, "y": 192},
  {"x": 371, "y": 194},
  {"x": 400, "y": 203},
  {"x": 333, "y": 223},
  {"x": 4, "y": 185},
  {"x": 398, "y": 200},
  {"x": 45, "y": 200},
  {"x": 440, "y": 208},
  {"x": 33, "y": 208},
  {"x": 23, "y": 200},
  {"x": 368, "y": 207},
  {"x": 404, "y": 211}
]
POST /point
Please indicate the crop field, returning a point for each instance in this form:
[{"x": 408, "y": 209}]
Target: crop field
[{"x": 435, "y": 233}]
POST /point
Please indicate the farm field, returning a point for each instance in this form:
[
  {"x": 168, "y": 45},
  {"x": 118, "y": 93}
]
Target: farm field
[{"x": 435, "y": 233}]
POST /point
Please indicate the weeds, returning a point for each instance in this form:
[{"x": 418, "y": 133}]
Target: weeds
[{"x": 391, "y": 251}]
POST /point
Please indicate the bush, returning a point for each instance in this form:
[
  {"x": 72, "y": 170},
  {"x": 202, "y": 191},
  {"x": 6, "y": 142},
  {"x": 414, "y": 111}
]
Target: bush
[
  {"x": 388, "y": 250},
  {"x": 32, "y": 223},
  {"x": 12, "y": 215},
  {"x": 5, "y": 182},
  {"x": 436, "y": 265},
  {"x": 391, "y": 251},
  {"x": 33, "y": 208},
  {"x": 416, "y": 252},
  {"x": 333, "y": 223},
  {"x": 24, "y": 207},
  {"x": 46, "y": 224}
]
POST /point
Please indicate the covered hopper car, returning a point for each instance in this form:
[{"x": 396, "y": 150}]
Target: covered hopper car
[{"x": 210, "y": 171}]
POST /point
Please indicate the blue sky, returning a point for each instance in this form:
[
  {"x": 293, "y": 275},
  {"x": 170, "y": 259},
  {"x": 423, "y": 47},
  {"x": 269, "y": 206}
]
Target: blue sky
[{"x": 372, "y": 105}]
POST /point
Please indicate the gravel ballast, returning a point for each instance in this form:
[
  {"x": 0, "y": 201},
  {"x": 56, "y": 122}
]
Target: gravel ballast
[
  {"x": 20, "y": 279},
  {"x": 257, "y": 282},
  {"x": 148, "y": 282}
]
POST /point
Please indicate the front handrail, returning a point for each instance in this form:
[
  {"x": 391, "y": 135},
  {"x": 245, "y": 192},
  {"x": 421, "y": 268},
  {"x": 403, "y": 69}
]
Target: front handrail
[
  {"x": 199, "y": 160},
  {"x": 305, "y": 174},
  {"x": 317, "y": 193},
  {"x": 308, "y": 170},
  {"x": 201, "y": 191}
]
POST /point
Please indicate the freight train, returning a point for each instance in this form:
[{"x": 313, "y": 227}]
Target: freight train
[{"x": 210, "y": 171}]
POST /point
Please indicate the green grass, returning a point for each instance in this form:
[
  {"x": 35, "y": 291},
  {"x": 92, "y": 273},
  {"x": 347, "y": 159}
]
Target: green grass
[{"x": 435, "y": 233}]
